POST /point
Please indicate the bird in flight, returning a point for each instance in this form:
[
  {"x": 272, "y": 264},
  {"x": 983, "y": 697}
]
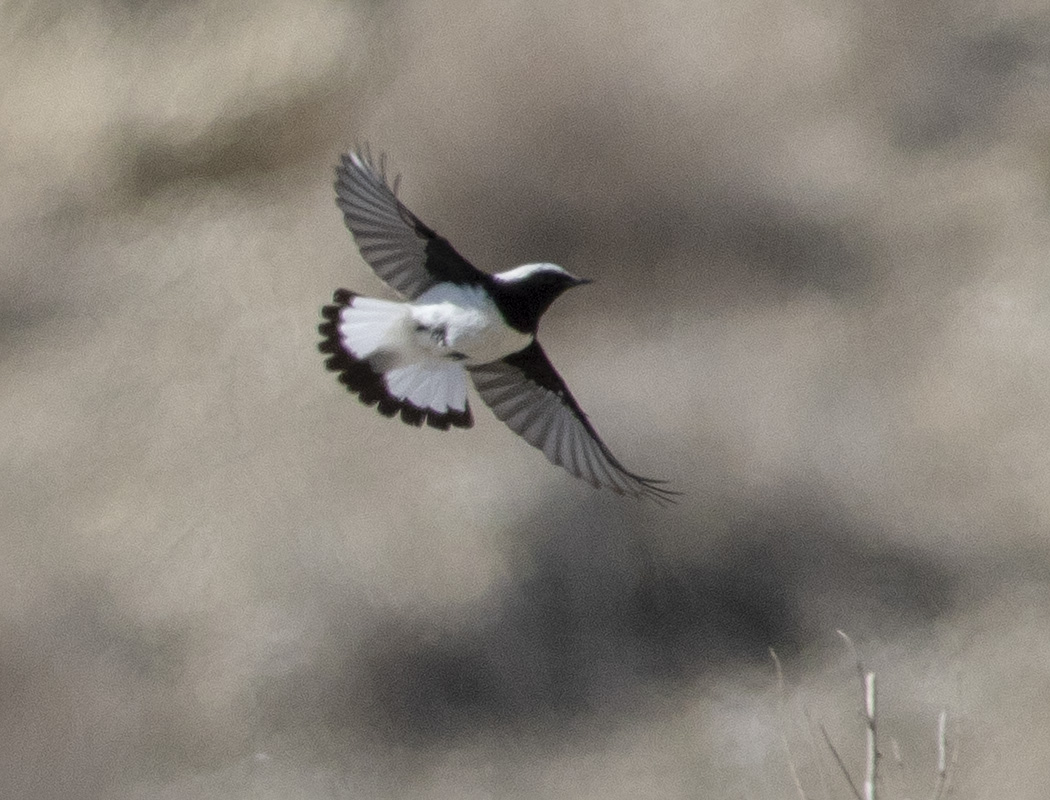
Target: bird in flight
[{"x": 413, "y": 358}]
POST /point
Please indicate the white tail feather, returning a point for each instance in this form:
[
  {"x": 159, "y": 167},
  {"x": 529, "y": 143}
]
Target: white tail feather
[
  {"x": 368, "y": 324},
  {"x": 431, "y": 384},
  {"x": 382, "y": 328}
]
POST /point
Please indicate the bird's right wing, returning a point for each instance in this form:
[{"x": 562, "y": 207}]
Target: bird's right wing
[
  {"x": 401, "y": 249},
  {"x": 526, "y": 392}
]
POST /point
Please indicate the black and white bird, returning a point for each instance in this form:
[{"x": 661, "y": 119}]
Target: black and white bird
[{"x": 413, "y": 358}]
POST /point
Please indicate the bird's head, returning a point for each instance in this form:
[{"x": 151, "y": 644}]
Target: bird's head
[
  {"x": 542, "y": 277},
  {"x": 531, "y": 288}
]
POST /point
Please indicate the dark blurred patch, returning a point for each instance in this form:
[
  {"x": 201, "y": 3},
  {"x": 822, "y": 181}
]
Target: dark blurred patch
[
  {"x": 84, "y": 616},
  {"x": 19, "y": 314},
  {"x": 598, "y": 616},
  {"x": 801, "y": 250},
  {"x": 255, "y": 144},
  {"x": 709, "y": 228},
  {"x": 39, "y": 271},
  {"x": 146, "y": 8},
  {"x": 86, "y": 691},
  {"x": 961, "y": 84},
  {"x": 1004, "y": 50},
  {"x": 27, "y": 19}
]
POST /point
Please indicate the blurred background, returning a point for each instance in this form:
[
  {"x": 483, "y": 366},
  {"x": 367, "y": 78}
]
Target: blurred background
[{"x": 819, "y": 233}]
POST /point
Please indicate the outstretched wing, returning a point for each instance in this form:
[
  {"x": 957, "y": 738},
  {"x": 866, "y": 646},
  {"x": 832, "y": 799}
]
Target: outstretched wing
[
  {"x": 526, "y": 392},
  {"x": 396, "y": 244}
]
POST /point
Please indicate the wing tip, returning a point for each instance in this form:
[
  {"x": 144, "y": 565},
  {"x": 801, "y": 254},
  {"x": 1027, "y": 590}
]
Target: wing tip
[
  {"x": 359, "y": 159},
  {"x": 639, "y": 488},
  {"x": 649, "y": 488},
  {"x": 527, "y": 377},
  {"x": 642, "y": 488}
]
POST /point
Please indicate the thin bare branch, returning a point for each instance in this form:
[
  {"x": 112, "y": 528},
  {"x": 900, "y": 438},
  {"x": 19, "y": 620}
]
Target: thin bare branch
[
  {"x": 867, "y": 685},
  {"x": 821, "y": 762},
  {"x": 951, "y": 770},
  {"x": 941, "y": 787},
  {"x": 838, "y": 760},
  {"x": 898, "y": 759},
  {"x": 783, "y": 725},
  {"x": 872, "y": 767},
  {"x": 860, "y": 664}
]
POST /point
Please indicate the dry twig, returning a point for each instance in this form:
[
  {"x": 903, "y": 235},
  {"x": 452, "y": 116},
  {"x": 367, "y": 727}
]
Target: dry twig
[
  {"x": 838, "y": 760},
  {"x": 783, "y": 725},
  {"x": 868, "y": 698},
  {"x": 822, "y": 770},
  {"x": 943, "y": 785}
]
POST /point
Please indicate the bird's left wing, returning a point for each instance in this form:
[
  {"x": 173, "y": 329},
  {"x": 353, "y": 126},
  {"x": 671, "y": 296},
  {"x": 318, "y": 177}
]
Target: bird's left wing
[
  {"x": 401, "y": 249},
  {"x": 526, "y": 392}
]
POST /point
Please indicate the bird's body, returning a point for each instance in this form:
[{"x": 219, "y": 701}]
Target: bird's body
[
  {"x": 448, "y": 323},
  {"x": 413, "y": 358}
]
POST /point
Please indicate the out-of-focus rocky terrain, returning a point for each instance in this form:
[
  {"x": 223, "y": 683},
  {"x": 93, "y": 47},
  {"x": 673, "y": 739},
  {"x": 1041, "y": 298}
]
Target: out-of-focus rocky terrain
[{"x": 820, "y": 239}]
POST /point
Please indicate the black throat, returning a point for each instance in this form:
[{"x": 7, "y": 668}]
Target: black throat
[{"x": 522, "y": 303}]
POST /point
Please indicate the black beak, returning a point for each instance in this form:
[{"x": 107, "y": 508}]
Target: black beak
[{"x": 581, "y": 281}]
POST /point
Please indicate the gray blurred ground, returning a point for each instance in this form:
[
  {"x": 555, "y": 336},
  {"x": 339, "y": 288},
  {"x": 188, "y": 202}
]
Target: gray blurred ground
[{"x": 820, "y": 234}]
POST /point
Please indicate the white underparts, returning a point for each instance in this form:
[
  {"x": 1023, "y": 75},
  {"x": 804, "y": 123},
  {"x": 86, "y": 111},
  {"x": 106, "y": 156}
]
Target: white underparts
[
  {"x": 470, "y": 321},
  {"x": 421, "y": 348}
]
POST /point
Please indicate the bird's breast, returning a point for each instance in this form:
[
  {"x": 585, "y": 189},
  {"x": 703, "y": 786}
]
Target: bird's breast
[{"x": 464, "y": 323}]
